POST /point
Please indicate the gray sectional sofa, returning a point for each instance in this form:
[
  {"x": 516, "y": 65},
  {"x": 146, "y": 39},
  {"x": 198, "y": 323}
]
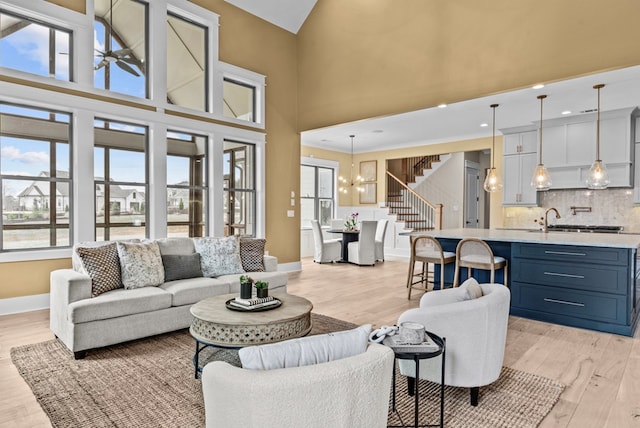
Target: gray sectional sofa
[{"x": 83, "y": 321}]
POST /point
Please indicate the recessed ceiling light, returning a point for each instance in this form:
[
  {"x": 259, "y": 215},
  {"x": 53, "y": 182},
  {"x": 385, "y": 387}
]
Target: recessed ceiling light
[
  {"x": 377, "y": 131},
  {"x": 442, "y": 105},
  {"x": 484, "y": 125},
  {"x": 566, "y": 112},
  {"x": 538, "y": 86}
]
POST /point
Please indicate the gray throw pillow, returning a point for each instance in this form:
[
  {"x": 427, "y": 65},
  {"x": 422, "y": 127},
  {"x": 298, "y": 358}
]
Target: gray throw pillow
[
  {"x": 140, "y": 264},
  {"x": 181, "y": 267},
  {"x": 219, "y": 256}
]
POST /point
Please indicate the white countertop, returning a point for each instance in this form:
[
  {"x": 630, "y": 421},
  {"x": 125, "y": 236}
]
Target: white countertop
[{"x": 614, "y": 240}]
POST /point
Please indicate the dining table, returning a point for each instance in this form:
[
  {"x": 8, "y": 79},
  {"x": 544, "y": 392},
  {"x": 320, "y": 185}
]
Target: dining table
[{"x": 347, "y": 236}]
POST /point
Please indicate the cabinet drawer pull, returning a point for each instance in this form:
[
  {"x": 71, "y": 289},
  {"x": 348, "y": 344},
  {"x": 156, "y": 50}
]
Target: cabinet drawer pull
[
  {"x": 567, "y": 275},
  {"x": 564, "y": 302},
  {"x": 564, "y": 253}
]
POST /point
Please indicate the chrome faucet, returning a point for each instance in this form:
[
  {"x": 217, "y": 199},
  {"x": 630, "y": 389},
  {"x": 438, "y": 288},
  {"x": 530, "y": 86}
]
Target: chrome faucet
[{"x": 545, "y": 226}]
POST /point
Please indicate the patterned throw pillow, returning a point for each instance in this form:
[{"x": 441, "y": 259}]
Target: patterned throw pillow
[
  {"x": 140, "y": 264},
  {"x": 219, "y": 256},
  {"x": 181, "y": 266},
  {"x": 252, "y": 254},
  {"x": 103, "y": 267}
]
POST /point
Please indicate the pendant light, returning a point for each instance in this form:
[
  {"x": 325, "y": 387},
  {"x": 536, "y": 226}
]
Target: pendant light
[
  {"x": 541, "y": 179},
  {"x": 351, "y": 183},
  {"x": 598, "y": 177},
  {"x": 493, "y": 182}
]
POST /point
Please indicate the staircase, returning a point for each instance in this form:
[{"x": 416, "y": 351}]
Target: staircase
[{"x": 410, "y": 208}]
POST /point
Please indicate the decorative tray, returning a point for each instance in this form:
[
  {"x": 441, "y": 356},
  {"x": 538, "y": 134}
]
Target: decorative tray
[{"x": 232, "y": 307}]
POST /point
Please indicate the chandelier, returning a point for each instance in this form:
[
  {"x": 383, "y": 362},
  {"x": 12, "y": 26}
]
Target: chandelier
[{"x": 345, "y": 184}]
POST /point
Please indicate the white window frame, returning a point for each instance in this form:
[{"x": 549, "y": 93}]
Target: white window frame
[
  {"x": 325, "y": 163},
  {"x": 84, "y": 108}
]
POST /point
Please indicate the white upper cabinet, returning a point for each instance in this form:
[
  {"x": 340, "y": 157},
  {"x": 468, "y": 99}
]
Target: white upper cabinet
[
  {"x": 519, "y": 161},
  {"x": 569, "y": 147}
]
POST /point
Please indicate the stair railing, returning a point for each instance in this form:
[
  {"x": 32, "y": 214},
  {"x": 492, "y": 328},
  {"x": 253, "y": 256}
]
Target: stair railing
[
  {"x": 428, "y": 213},
  {"x": 417, "y": 164}
]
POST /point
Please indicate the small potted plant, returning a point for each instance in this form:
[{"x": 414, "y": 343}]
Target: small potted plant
[
  {"x": 262, "y": 289},
  {"x": 245, "y": 286}
]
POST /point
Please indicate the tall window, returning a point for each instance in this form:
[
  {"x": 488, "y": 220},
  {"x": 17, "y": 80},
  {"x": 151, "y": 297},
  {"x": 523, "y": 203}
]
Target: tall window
[
  {"x": 120, "y": 29},
  {"x": 186, "y": 184},
  {"x": 239, "y": 100},
  {"x": 239, "y": 189},
  {"x": 120, "y": 180},
  {"x": 34, "y": 177},
  {"x": 187, "y": 63},
  {"x": 35, "y": 47},
  {"x": 316, "y": 194}
]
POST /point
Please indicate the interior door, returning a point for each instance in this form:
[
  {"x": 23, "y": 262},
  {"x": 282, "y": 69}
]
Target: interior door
[{"x": 471, "y": 195}]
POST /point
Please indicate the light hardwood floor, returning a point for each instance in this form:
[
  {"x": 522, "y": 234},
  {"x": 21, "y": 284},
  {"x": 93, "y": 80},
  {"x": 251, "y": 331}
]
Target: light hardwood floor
[{"x": 601, "y": 371}]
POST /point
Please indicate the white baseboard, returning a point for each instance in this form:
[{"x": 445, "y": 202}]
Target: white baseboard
[
  {"x": 14, "y": 305},
  {"x": 290, "y": 267}
]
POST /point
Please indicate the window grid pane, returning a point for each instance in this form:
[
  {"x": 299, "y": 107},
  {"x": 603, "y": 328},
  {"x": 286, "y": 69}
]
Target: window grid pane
[
  {"x": 35, "y": 47},
  {"x": 34, "y": 178}
]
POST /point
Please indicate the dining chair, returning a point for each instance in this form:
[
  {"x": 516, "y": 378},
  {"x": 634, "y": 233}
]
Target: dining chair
[
  {"x": 325, "y": 250},
  {"x": 474, "y": 253},
  {"x": 426, "y": 249},
  {"x": 381, "y": 231},
  {"x": 363, "y": 251}
]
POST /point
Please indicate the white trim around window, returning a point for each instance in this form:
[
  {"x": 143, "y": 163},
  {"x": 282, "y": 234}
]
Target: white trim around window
[{"x": 84, "y": 110}]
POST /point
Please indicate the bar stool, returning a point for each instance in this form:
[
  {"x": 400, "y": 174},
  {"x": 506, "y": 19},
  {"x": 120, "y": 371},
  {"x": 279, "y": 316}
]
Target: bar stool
[
  {"x": 427, "y": 250},
  {"x": 474, "y": 253}
]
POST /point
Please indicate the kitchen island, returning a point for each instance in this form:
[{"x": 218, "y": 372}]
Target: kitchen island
[{"x": 583, "y": 280}]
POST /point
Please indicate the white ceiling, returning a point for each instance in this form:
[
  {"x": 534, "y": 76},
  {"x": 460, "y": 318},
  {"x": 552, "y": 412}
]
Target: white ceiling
[
  {"x": 461, "y": 121},
  {"x": 287, "y": 14}
]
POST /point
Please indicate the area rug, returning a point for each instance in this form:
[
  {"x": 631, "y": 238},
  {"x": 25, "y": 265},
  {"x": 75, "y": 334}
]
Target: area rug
[{"x": 150, "y": 383}]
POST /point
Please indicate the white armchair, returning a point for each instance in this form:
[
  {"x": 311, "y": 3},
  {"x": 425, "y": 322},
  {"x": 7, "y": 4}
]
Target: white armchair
[
  {"x": 351, "y": 392},
  {"x": 326, "y": 251},
  {"x": 363, "y": 251},
  {"x": 475, "y": 331},
  {"x": 381, "y": 231}
]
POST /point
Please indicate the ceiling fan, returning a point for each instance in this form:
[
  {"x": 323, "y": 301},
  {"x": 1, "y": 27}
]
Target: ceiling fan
[{"x": 121, "y": 57}]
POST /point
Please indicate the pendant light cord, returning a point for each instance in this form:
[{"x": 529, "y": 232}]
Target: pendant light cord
[
  {"x": 541, "y": 98},
  {"x": 493, "y": 140},
  {"x": 598, "y": 87}
]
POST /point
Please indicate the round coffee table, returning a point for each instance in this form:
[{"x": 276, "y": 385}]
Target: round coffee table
[{"x": 215, "y": 325}]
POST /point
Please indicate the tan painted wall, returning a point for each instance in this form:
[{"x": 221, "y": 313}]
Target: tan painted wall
[
  {"x": 360, "y": 58},
  {"x": 28, "y": 278},
  {"x": 252, "y": 43}
]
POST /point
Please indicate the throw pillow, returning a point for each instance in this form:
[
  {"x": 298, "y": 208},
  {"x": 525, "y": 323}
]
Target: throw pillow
[
  {"x": 252, "y": 254},
  {"x": 76, "y": 262},
  {"x": 219, "y": 256},
  {"x": 140, "y": 264},
  {"x": 181, "y": 267},
  {"x": 103, "y": 267},
  {"x": 470, "y": 289},
  {"x": 306, "y": 350},
  {"x": 176, "y": 246}
]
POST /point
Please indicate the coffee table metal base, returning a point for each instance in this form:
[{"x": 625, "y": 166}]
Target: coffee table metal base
[{"x": 215, "y": 325}]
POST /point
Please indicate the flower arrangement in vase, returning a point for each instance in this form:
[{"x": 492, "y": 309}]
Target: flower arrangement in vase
[{"x": 351, "y": 223}]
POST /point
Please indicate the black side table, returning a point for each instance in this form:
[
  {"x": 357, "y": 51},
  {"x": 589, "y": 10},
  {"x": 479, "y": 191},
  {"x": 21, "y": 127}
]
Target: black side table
[{"x": 402, "y": 353}]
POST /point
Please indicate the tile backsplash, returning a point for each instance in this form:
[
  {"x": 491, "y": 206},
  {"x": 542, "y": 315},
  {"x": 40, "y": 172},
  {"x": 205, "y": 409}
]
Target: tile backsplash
[{"x": 610, "y": 207}]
